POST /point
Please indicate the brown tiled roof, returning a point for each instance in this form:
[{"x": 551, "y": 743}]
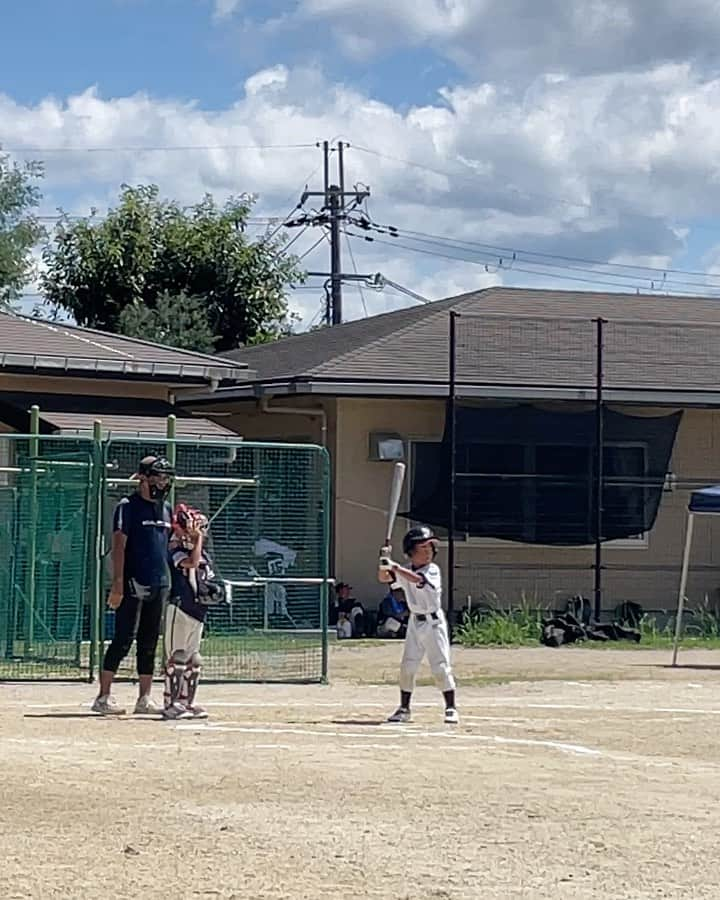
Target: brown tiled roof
[
  {"x": 76, "y": 413},
  {"x": 28, "y": 344},
  {"x": 512, "y": 335}
]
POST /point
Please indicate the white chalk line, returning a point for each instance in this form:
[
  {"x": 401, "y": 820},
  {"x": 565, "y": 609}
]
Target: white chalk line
[
  {"x": 455, "y": 739},
  {"x": 439, "y": 740}
]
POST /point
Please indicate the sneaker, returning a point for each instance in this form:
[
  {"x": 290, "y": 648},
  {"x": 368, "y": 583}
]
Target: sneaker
[
  {"x": 400, "y": 715},
  {"x": 107, "y": 706},
  {"x": 176, "y": 711},
  {"x": 146, "y": 706},
  {"x": 197, "y": 712},
  {"x": 451, "y": 716}
]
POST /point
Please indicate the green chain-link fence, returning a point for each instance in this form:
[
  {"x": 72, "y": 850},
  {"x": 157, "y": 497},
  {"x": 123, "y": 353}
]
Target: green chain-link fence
[
  {"x": 47, "y": 536},
  {"x": 268, "y": 505}
]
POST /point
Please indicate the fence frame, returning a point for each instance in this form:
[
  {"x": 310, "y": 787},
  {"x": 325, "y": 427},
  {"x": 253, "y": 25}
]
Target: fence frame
[
  {"x": 599, "y": 480},
  {"x": 101, "y": 479}
]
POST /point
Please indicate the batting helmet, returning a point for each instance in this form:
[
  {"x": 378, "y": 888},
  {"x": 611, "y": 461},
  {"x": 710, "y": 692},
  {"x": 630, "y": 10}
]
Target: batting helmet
[{"x": 415, "y": 536}]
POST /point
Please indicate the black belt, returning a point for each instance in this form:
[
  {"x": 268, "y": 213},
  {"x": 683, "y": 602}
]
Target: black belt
[{"x": 421, "y": 617}]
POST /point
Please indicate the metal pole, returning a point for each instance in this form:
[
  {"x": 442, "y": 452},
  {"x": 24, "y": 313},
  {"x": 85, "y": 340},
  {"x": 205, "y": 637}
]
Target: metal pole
[
  {"x": 324, "y": 589},
  {"x": 452, "y": 415},
  {"x": 335, "y": 262},
  {"x": 171, "y": 451},
  {"x": 341, "y": 172},
  {"x": 599, "y": 466},
  {"x": 96, "y": 599},
  {"x": 326, "y": 168},
  {"x": 683, "y": 585},
  {"x": 31, "y": 584}
]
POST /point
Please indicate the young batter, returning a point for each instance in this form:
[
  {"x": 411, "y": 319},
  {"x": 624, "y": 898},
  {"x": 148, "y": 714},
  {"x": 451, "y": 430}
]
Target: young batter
[{"x": 427, "y": 630}]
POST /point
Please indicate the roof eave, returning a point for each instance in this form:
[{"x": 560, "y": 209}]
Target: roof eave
[
  {"x": 194, "y": 373},
  {"x": 655, "y": 396}
]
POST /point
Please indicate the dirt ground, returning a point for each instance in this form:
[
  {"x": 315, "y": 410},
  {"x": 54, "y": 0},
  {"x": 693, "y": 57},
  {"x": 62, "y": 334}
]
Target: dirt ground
[{"x": 573, "y": 774}]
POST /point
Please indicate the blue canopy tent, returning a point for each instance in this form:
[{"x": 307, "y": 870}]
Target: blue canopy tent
[{"x": 704, "y": 502}]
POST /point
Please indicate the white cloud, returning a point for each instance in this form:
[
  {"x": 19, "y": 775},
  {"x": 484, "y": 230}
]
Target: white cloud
[
  {"x": 517, "y": 39},
  {"x": 225, "y": 8},
  {"x": 603, "y": 167}
]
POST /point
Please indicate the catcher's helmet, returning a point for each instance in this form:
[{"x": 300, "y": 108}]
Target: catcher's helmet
[
  {"x": 156, "y": 465},
  {"x": 415, "y": 536},
  {"x": 185, "y": 518}
]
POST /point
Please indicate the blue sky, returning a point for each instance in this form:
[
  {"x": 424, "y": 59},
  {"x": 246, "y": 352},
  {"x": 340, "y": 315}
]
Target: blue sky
[{"x": 590, "y": 131}]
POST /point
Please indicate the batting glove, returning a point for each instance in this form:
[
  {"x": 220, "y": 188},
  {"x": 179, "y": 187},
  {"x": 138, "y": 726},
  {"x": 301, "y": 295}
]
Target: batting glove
[{"x": 385, "y": 564}]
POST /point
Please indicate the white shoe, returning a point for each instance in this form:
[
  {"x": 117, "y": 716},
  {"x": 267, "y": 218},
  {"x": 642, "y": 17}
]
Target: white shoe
[
  {"x": 401, "y": 715},
  {"x": 197, "y": 712},
  {"x": 107, "y": 706},
  {"x": 146, "y": 706},
  {"x": 176, "y": 711},
  {"x": 451, "y": 716}
]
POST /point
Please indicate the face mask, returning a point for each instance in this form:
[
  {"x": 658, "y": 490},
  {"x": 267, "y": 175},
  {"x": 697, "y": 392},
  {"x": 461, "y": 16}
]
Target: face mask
[{"x": 158, "y": 492}]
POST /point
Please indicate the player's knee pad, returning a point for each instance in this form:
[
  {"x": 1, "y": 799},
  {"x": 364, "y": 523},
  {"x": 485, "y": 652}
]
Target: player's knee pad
[
  {"x": 174, "y": 676},
  {"x": 444, "y": 677},
  {"x": 191, "y": 677}
]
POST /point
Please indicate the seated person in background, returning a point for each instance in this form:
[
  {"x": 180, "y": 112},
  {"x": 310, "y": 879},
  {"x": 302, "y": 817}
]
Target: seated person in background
[
  {"x": 393, "y": 614},
  {"x": 351, "y": 615}
]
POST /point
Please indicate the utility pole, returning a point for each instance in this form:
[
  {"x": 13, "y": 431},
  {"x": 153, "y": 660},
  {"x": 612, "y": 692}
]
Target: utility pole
[{"x": 337, "y": 204}]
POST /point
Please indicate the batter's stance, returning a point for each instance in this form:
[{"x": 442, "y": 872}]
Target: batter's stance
[{"x": 427, "y": 629}]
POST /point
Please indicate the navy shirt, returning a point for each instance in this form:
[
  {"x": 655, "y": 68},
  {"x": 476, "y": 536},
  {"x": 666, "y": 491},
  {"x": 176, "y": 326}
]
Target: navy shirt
[
  {"x": 147, "y": 525},
  {"x": 187, "y": 583}
]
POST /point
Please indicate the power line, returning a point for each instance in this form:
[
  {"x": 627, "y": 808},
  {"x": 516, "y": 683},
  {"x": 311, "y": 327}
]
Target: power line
[
  {"x": 167, "y": 148},
  {"x": 508, "y": 258},
  {"x": 635, "y": 288},
  {"x": 470, "y": 178},
  {"x": 473, "y": 179},
  {"x": 355, "y": 269},
  {"x": 317, "y": 243},
  {"x": 507, "y": 251}
]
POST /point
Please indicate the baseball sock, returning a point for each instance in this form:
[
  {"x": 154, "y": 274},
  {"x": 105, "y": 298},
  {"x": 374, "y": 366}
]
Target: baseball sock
[{"x": 449, "y": 699}]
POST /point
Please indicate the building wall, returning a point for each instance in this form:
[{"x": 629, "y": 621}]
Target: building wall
[
  {"x": 508, "y": 573},
  {"x": 46, "y": 384}
]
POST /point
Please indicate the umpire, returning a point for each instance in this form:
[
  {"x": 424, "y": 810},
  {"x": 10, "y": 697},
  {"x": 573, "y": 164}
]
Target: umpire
[{"x": 142, "y": 524}]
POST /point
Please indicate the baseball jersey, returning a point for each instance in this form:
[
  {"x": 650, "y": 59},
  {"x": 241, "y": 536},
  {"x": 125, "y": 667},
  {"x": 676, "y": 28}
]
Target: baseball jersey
[
  {"x": 424, "y": 598},
  {"x": 147, "y": 525},
  {"x": 187, "y": 583}
]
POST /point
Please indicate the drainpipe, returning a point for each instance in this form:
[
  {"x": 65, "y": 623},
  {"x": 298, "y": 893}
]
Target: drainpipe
[{"x": 313, "y": 412}]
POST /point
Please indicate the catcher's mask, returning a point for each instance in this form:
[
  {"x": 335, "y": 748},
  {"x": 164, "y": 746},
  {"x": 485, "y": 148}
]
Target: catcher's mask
[
  {"x": 158, "y": 472},
  {"x": 186, "y": 519}
]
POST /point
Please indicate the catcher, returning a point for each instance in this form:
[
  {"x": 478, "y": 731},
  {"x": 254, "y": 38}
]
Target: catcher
[
  {"x": 193, "y": 590},
  {"x": 427, "y": 630}
]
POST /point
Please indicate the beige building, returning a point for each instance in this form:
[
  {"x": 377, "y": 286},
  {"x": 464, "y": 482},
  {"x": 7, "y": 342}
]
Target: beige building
[{"x": 379, "y": 386}]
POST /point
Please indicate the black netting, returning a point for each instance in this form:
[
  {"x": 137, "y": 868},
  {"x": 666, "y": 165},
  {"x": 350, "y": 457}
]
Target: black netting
[{"x": 528, "y": 474}]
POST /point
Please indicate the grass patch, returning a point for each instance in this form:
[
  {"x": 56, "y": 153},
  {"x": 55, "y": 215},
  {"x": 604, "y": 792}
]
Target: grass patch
[{"x": 522, "y": 626}]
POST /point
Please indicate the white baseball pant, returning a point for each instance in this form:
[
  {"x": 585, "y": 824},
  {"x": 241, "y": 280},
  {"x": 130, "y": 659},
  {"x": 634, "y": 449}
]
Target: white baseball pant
[
  {"x": 182, "y": 633},
  {"x": 431, "y": 637}
]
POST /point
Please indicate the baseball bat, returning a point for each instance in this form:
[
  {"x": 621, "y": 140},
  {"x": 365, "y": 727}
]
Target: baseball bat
[{"x": 394, "y": 503}]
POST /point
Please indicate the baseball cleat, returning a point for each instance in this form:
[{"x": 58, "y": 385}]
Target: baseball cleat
[
  {"x": 146, "y": 706},
  {"x": 197, "y": 712},
  {"x": 451, "y": 716},
  {"x": 107, "y": 706},
  {"x": 400, "y": 715},
  {"x": 176, "y": 711}
]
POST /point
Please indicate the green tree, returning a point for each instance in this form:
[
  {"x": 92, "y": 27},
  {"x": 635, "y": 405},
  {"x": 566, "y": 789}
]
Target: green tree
[
  {"x": 176, "y": 320},
  {"x": 19, "y": 229},
  {"x": 148, "y": 248}
]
